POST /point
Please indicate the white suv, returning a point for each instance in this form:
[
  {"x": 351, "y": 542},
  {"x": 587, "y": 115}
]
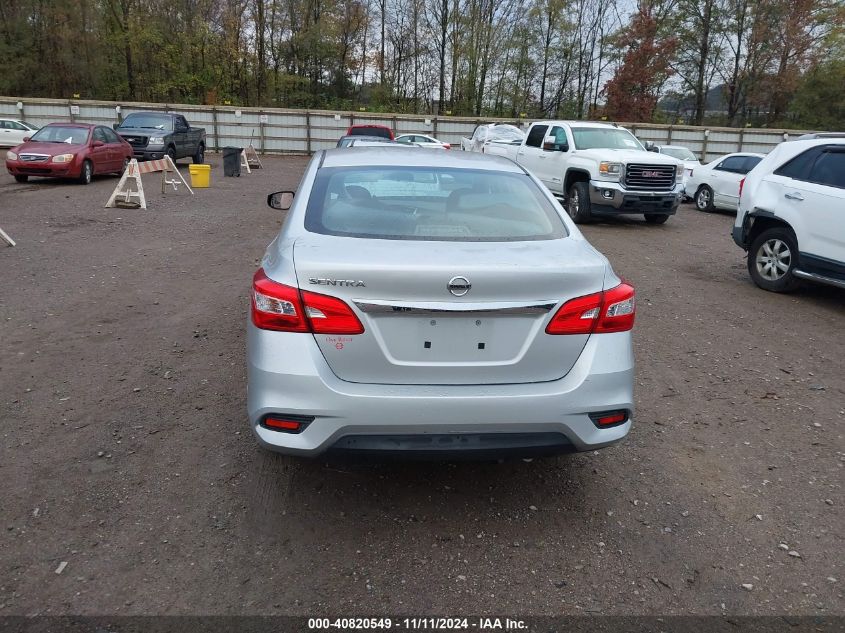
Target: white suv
[{"x": 791, "y": 216}]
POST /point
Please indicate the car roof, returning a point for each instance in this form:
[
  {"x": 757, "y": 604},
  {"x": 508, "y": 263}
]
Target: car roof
[
  {"x": 86, "y": 126},
  {"x": 401, "y": 156},
  {"x": 674, "y": 146},
  {"x": 580, "y": 124},
  {"x": 364, "y": 137}
]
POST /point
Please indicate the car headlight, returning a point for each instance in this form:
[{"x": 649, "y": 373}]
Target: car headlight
[
  {"x": 607, "y": 168},
  {"x": 63, "y": 158},
  {"x": 11, "y": 156},
  {"x": 679, "y": 174},
  {"x": 156, "y": 140}
]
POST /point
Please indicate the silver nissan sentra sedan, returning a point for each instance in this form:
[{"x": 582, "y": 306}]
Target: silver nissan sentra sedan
[{"x": 420, "y": 302}]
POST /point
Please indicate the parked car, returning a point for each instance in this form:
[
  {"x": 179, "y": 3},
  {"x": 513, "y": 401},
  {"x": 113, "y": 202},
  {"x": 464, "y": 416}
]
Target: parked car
[
  {"x": 154, "y": 135},
  {"x": 683, "y": 154},
  {"x": 434, "y": 304},
  {"x": 600, "y": 170},
  {"x": 69, "y": 150},
  {"x": 370, "y": 129},
  {"x": 423, "y": 141},
  {"x": 347, "y": 141},
  {"x": 492, "y": 135},
  {"x": 716, "y": 184},
  {"x": 14, "y": 132},
  {"x": 790, "y": 217}
]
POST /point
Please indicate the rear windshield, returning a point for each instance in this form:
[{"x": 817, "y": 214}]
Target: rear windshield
[
  {"x": 61, "y": 134},
  {"x": 681, "y": 153},
  {"x": 383, "y": 132},
  {"x": 430, "y": 203}
]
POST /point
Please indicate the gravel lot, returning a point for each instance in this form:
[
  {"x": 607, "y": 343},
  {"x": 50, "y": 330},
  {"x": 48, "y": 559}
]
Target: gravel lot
[{"x": 126, "y": 452}]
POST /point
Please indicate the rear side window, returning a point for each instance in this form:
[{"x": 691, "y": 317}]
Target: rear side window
[
  {"x": 430, "y": 203},
  {"x": 829, "y": 169},
  {"x": 733, "y": 163},
  {"x": 750, "y": 163},
  {"x": 798, "y": 167},
  {"x": 536, "y": 135}
]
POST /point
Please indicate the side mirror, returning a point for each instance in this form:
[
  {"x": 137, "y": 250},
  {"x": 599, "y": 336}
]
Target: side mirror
[
  {"x": 281, "y": 200},
  {"x": 25, "y": 139},
  {"x": 114, "y": 126},
  {"x": 550, "y": 144},
  {"x": 97, "y": 144}
]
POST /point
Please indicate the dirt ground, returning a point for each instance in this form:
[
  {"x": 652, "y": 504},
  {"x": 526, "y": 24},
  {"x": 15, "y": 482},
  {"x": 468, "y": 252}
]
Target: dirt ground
[{"x": 126, "y": 452}]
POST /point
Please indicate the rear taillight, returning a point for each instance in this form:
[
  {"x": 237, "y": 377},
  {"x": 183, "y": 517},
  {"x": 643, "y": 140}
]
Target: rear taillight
[
  {"x": 447, "y": 145},
  {"x": 741, "y": 184},
  {"x": 330, "y": 315},
  {"x": 603, "y": 312},
  {"x": 276, "y": 306},
  {"x": 284, "y": 308}
]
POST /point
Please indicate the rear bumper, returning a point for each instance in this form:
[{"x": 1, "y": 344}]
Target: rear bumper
[
  {"x": 288, "y": 374},
  {"x": 610, "y": 198}
]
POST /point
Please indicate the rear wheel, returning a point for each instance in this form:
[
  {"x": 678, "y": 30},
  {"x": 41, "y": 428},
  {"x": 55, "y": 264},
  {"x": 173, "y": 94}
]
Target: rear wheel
[
  {"x": 87, "y": 173},
  {"x": 772, "y": 259},
  {"x": 578, "y": 203},
  {"x": 659, "y": 218},
  {"x": 21, "y": 178},
  {"x": 200, "y": 155},
  {"x": 704, "y": 199}
]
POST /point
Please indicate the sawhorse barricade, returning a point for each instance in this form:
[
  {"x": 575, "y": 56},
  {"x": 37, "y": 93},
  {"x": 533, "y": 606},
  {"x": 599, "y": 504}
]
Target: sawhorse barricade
[
  {"x": 127, "y": 197},
  {"x": 5, "y": 237}
]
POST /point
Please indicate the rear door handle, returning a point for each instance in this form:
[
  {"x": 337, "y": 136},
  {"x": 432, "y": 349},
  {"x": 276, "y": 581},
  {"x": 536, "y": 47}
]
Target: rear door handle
[{"x": 793, "y": 196}]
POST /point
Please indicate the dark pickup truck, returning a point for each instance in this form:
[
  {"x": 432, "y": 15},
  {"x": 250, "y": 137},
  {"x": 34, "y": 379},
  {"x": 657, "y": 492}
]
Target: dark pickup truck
[{"x": 154, "y": 135}]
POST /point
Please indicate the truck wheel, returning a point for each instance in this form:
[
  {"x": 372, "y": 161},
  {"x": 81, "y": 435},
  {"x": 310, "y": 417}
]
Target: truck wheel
[
  {"x": 772, "y": 259},
  {"x": 22, "y": 178},
  {"x": 659, "y": 218},
  {"x": 704, "y": 199},
  {"x": 200, "y": 155},
  {"x": 171, "y": 151},
  {"x": 578, "y": 203}
]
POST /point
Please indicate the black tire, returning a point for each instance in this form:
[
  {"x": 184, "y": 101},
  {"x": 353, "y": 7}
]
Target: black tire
[
  {"x": 200, "y": 155},
  {"x": 772, "y": 258},
  {"x": 704, "y": 199},
  {"x": 22, "y": 178},
  {"x": 578, "y": 203},
  {"x": 171, "y": 151},
  {"x": 87, "y": 173},
  {"x": 659, "y": 218}
]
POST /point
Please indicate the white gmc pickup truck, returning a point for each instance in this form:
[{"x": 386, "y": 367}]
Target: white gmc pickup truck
[{"x": 599, "y": 170}]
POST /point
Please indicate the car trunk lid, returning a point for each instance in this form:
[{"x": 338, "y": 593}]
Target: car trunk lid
[{"x": 419, "y": 331}]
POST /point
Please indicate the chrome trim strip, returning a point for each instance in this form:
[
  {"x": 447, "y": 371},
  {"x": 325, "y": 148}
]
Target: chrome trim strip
[
  {"x": 417, "y": 309},
  {"x": 830, "y": 281}
]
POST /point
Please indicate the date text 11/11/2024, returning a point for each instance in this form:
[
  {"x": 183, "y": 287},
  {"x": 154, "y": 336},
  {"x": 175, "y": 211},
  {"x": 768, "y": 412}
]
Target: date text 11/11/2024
[{"x": 417, "y": 624}]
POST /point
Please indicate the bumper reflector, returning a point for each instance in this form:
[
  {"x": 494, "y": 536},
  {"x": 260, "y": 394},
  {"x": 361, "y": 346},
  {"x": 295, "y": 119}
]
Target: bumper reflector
[
  {"x": 605, "y": 419},
  {"x": 286, "y": 423}
]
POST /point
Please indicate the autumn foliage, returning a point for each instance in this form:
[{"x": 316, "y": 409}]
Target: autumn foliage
[{"x": 633, "y": 91}]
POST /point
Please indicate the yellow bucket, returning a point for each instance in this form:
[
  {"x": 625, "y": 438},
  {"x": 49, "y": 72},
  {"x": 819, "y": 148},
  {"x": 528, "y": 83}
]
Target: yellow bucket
[{"x": 200, "y": 176}]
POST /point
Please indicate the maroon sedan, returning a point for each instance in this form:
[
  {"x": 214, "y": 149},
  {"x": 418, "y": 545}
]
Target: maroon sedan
[{"x": 69, "y": 150}]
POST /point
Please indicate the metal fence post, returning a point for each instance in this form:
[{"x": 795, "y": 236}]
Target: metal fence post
[
  {"x": 261, "y": 129},
  {"x": 214, "y": 127},
  {"x": 308, "y": 131}
]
